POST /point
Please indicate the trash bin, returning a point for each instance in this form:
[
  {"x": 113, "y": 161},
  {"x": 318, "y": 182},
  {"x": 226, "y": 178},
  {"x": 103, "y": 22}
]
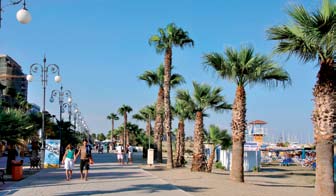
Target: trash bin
[{"x": 17, "y": 170}]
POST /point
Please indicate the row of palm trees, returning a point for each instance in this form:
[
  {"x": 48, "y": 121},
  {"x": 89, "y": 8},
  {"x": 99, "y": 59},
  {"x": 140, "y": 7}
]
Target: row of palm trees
[
  {"x": 123, "y": 111},
  {"x": 242, "y": 67},
  {"x": 309, "y": 36}
]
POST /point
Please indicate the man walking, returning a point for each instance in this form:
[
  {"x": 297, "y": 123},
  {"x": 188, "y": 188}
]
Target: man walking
[{"x": 85, "y": 153}]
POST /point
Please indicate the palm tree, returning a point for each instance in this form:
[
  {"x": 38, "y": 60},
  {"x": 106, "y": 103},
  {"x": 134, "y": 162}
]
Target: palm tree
[
  {"x": 217, "y": 137},
  {"x": 204, "y": 98},
  {"x": 15, "y": 125},
  {"x": 123, "y": 110},
  {"x": 156, "y": 78},
  {"x": 311, "y": 37},
  {"x": 243, "y": 67},
  {"x": 183, "y": 112},
  {"x": 164, "y": 42},
  {"x": 146, "y": 114},
  {"x": 112, "y": 117}
]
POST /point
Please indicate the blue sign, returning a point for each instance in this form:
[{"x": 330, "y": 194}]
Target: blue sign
[{"x": 52, "y": 153}]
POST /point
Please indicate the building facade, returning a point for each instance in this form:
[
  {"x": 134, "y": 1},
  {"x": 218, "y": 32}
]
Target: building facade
[{"x": 12, "y": 79}]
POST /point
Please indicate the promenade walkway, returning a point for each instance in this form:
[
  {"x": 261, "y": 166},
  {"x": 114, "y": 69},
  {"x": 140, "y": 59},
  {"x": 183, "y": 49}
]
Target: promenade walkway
[{"x": 106, "y": 177}]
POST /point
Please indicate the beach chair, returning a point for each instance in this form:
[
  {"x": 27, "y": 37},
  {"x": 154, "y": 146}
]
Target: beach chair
[{"x": 286, "y": 162}]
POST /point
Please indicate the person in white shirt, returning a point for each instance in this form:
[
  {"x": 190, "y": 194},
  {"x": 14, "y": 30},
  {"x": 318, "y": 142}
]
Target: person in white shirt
[{"x": 120, "y": 152}]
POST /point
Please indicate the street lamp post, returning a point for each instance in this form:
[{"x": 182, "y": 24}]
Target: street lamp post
[
  {"x": 76, "y": 115},
  {"x": 34, "y": 68},
  {"x": 69, "y": 107},
  {"x": 61, "y": 94},
  {"x": 23, "y": 16}
]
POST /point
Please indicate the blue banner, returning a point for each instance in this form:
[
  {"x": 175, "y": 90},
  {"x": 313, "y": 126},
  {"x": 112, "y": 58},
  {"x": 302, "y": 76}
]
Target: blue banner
[{"x": 52, "y": 153}]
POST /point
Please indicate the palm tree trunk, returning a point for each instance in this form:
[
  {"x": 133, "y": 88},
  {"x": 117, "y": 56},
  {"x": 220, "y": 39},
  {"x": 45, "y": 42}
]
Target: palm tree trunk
[
  {"x": 112, "y": 133},
  {"x": 166, "y": 102},
  {"x": 159, "y": 126},
  {"x": 211, "y": 159},
  {"x": 238, "y": 127},
  {"x": 324, "y": 116},
  {"x": 198, "y": 162},
  {"x": 180, "y": 145},
  {"x": 125, "y": 135}
]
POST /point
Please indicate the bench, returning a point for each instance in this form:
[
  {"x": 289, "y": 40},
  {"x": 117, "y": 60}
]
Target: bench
[{"x": 3, "y": 165}]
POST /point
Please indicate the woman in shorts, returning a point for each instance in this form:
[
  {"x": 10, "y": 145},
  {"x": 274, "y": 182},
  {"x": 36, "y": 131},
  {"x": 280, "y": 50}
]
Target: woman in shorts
[{"x": 68, "y": 161}]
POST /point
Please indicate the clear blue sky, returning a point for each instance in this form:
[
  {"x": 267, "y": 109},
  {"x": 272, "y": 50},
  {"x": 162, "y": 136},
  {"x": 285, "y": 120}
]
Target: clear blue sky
[{"x": 102, "y": 46}]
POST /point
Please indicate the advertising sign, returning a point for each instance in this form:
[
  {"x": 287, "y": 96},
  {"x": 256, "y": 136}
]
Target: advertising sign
[
  {"x": 52, "y": 153},
  {"x": 250, "y": 146}
]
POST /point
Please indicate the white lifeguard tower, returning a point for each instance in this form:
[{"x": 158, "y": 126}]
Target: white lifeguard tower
[{"x": 256, "y": 131}]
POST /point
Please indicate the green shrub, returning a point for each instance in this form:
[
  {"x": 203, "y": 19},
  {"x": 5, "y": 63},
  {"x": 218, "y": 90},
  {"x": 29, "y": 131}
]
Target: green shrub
[
  {"x": 256, "y": 169},
  {"x": 219, "y": 165}
]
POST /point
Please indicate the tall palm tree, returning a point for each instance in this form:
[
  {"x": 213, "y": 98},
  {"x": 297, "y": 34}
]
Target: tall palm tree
[
  {"x": 164, "y": 42},
  {"x": 123, "y": 110},
  {"x": 243, "y": 67},
  {"x": 112, "y": 117},
  {"x": 156, "y": 78},
  {"x": 311, "y": 37},
  {"x": 204, "y": 98},
  {"x": 146, "y": 114},
  {"x": 183, "y": 112},
  {"x": 216, "y": 136}
]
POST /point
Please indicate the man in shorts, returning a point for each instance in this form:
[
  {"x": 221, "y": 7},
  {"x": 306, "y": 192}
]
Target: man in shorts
[{"x": 85, "y": 153}]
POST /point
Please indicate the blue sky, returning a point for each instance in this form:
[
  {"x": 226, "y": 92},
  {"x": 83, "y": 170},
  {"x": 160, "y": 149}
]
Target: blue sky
[{"x": 102, "y": 46}]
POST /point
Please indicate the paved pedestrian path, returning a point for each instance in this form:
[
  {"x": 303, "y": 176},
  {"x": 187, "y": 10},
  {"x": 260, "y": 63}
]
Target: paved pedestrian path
[{"x": 105, "y": 178}]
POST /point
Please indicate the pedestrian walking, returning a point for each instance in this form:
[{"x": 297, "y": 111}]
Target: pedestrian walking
[
  {"x": 85, "y": 154},
  {"x": 129, "y": 154},
  {"x": 120, "y": 152},
  {"x": 69, "y": 161}
]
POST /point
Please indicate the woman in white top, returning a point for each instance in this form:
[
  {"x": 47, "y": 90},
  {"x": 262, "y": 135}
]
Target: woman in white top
[{"x": 120, "y": 152}]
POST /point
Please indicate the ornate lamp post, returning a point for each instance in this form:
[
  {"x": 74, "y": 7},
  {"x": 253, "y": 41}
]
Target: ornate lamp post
[
  {"x": 23, "y": 16},
  {"x": 61, "y": 94},
  {"x": 34, "y": 68},
  {"x": 68, "y": 106},
  {"x": 76, "y": 117}
]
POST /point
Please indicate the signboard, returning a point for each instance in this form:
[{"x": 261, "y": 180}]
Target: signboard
[
  {"x": 258, "y": 138},
  {"x": 150, "y": 157},
  {"x": 52, "y": 153},
  {"x": 250, "y": 146}
]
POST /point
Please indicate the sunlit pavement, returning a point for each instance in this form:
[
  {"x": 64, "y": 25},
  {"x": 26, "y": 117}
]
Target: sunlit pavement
[{"x": 106, "y": 177}]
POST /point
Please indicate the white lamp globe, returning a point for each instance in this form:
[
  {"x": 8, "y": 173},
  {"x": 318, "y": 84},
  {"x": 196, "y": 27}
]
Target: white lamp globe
[
  {"x": 23, "y": 16},
  {"x": 58, "y": 79},
  {"x": 29, "y": 78},
  {"x": 69, "y": 100}
]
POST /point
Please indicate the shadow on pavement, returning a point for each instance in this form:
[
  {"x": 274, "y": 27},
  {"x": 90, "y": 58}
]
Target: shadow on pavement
[{"x": 146, "y": 188}]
